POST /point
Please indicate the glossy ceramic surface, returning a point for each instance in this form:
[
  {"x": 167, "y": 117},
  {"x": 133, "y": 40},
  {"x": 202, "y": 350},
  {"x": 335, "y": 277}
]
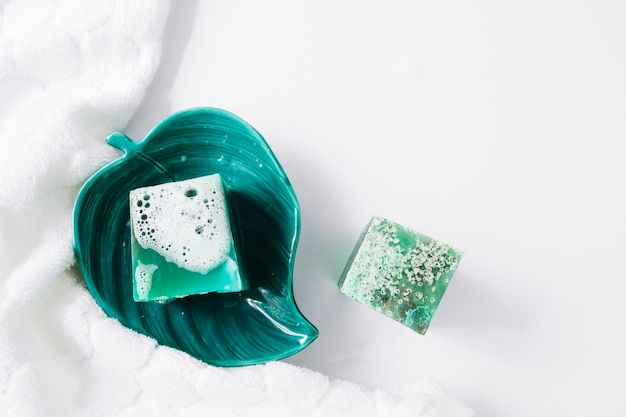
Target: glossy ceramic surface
[{"x": 254, "y": 326}]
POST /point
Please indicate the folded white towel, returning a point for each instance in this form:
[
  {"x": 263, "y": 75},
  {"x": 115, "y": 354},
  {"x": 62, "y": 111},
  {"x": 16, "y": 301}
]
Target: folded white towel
[{"x": 71, "y": 71}]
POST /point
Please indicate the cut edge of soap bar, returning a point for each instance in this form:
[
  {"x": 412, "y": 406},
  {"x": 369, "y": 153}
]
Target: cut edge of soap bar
[
  {"x": 399, "y": 272},
  {"x": 173, "y": 281}
]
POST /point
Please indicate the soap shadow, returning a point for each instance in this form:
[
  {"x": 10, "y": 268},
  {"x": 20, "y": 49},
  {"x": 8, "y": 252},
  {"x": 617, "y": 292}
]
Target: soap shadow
[
  {"x": 495, "y": 322},
  {"x": 466, "y": 305},
  {"x": 156, "y": 105}
]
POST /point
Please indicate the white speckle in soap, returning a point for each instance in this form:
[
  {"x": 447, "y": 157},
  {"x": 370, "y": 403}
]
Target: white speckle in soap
[
  {"x": 186, "y": 222},
  {"x": 143, "y": 279}
]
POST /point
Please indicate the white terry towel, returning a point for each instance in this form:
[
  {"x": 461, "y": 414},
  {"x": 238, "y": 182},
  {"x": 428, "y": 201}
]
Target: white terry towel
[{"x": 71, "y": 71}]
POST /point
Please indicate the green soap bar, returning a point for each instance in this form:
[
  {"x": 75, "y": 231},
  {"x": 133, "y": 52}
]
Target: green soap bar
[
  {"x": 399, "y": 272},
  {"x": 181, "y": 240}
]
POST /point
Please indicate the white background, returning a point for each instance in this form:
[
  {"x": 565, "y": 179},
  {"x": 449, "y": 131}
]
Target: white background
[{"x": 497, "y": 127}]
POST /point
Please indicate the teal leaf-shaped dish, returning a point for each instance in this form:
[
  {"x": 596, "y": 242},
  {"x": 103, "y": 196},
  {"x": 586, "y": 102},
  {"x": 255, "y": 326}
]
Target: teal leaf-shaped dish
[{"x": 260, "y": 324}]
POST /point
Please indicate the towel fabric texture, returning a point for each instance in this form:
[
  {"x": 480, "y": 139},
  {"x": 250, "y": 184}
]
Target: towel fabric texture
[{"x": 72, "y": 71}]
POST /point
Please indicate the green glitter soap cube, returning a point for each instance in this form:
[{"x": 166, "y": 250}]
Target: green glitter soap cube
[
  {"x": 399, "y": 272},
  {"x": 181, "y": 240}
]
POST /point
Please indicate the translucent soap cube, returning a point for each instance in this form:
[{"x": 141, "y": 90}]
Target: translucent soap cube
[
  {"x": 181, "y": 240},
  {"x": 399, "y": 273}
]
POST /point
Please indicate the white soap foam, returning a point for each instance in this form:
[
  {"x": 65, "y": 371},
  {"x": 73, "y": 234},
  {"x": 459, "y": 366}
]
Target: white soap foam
[
  {"x": 143, "y": 279},
  {"x": 186, "y": 222}
]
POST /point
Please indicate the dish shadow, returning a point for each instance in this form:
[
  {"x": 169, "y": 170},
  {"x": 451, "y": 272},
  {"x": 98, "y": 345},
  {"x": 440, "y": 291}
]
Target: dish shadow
[{"x": 326, "y": 243}]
